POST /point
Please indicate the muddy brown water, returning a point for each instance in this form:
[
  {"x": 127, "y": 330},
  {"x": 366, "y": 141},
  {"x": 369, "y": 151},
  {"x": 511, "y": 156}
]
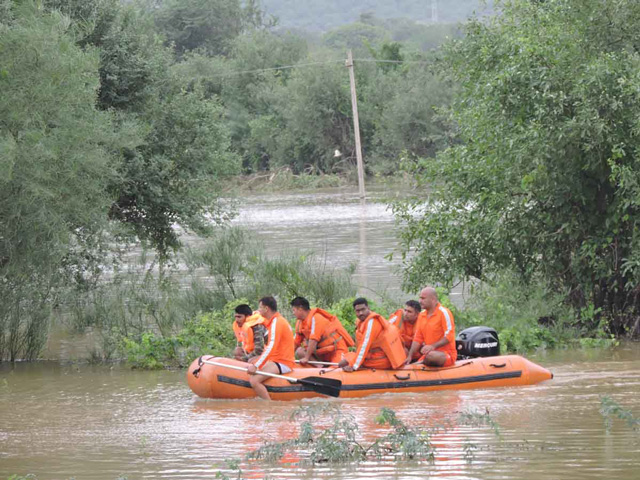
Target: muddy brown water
[{"x": 60, "y": 420}]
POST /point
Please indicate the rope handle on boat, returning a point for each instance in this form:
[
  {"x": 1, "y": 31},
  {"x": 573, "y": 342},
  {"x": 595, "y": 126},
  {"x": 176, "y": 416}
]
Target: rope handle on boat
[
  {"x": 407, "y": 377},
  {"x": 501, "y": 365},
  {"x": 324, "y": 372},
  {"x": 197, "y": 370},
  {"x": 437, "y": 369}
]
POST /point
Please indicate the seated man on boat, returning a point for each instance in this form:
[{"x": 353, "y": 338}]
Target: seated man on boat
[
  {"x": 405, "y": 319},
  {"x": 248, "y": 327},
  {"x": 319, "y": 335},
  {"x": 278, "y": 355},
  {"x": 378, "y": 343},
  {"x": 435, "y": 335}
]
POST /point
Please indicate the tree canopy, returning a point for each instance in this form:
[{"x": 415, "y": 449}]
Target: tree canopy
[{"x": 544, "y": 179}]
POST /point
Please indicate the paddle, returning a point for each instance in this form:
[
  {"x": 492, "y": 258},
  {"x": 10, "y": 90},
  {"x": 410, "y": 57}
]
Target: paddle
[{"x": 325, "y": 386}]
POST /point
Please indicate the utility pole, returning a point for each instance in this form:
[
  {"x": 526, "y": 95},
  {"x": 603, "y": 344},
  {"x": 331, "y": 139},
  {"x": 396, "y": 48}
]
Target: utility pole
[
  {"x": 356, "y": 124},
  {"x": 434, "y": 11}
]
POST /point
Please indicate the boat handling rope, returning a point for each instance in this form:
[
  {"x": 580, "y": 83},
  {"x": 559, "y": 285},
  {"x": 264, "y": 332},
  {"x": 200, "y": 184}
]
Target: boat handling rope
[{"x": 197, "y": 370}]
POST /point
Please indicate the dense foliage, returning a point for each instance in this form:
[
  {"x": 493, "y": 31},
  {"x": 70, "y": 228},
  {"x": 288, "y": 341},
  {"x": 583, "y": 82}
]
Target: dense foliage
[
  {"x": 92, "y": 128},
  {"x": 58, "y": 153},
  {"x": 544, "y": 182},
  {"x": 122, "y": 122},
  {"x": 287, "y": 100}
]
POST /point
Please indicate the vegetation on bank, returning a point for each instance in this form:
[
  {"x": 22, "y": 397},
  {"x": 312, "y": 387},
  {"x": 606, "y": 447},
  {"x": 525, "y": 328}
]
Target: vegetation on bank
[
  {"x": 123, "y": 120},
  {"x": 123, "y": 123},
  {"x": 168, "y": 319},
  {"x": 285, "y": 180}
]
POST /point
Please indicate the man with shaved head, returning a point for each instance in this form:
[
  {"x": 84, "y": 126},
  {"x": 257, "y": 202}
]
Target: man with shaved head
[{"x": 435, "y": 335}]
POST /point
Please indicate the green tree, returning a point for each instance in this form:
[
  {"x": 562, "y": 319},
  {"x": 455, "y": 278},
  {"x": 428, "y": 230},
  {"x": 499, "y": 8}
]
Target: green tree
[
  {"x": 132, "y": 57},
  {"x": 410, "y": 121},
  {"x": 132, "y": 60},
  {"x": 172, "y": 176},
  {"x": 545, "y": 179},
  {"x": 355, "y": 35},
  {"x": 208, "y": 25},
  {"x": 244, "y": 94},
  {"x": 5, "y": 11},
  {"x": 312, "y": 118},
  {"x": 175, "y": 176},
  {"x": 58, "y": 154}
]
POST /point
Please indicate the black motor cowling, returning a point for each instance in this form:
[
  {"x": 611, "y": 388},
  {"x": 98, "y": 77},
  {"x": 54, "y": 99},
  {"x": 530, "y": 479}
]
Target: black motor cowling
[{"x": 478, "y": 342}]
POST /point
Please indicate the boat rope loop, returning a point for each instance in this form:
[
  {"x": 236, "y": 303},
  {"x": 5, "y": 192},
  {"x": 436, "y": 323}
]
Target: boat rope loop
[{"x": 197, "y": 370}]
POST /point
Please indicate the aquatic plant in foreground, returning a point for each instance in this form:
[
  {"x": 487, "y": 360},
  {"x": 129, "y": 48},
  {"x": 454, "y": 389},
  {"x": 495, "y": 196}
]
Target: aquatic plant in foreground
[
  {"x": 609, "y": 409},
  {"x": 326, "y": 434}
]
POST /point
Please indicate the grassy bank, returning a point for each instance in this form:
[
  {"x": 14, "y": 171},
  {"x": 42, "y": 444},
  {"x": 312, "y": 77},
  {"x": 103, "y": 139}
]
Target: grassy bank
[{"x": 158, "y": 317}]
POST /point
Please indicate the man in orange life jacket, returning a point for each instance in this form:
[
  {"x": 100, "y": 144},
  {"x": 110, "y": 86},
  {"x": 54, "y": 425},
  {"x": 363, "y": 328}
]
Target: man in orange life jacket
[
  {"x": 319, "y": 335},
  {"x": 435, "y": 335},
  {"x": 278, "y": 354},
  {"x": 250, "y": 332},
  {"x": 405, "y": 319},
  {"x": 378, "y": 343}
]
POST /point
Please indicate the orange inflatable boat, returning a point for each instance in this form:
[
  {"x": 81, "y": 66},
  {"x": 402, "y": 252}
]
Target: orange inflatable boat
[{"x": 221, "y": 381}]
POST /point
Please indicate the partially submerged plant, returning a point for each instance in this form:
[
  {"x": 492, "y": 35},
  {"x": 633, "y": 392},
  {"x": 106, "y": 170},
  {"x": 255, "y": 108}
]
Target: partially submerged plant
[
  {"x": 476, "y": 419},
  {"x": 611, "y": 409}
]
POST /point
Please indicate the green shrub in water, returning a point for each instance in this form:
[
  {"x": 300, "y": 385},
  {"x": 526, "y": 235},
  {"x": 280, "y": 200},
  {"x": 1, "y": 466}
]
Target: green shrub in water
[
  {"x": 526, "y": 317},
  {"x": 208, "y": 333},
  {"x": 611, "y": 409},
  {"x": 326, "y": 434}
]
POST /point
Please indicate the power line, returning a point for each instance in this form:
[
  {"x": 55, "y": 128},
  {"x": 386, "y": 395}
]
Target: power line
[
  {"x": 330, "y": 62},
  {"x": 284, "y": 67},
  {"x": 373, "y": 60}
]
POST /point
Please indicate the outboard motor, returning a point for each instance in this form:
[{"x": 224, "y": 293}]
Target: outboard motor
[{"x": 477, "y": 342}]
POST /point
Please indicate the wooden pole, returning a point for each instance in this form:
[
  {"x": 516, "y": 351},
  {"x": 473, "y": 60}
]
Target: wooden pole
[{"x": 356, "y": 124}]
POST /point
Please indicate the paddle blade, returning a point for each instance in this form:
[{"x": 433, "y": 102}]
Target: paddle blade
[{"x": 325, "y": 386}]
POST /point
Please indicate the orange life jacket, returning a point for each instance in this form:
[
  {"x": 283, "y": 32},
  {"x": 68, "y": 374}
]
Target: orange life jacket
[
  {"x": 407, "y": 330},
  {"x": 280, "y": 346},
  {"x": 388, "y": 342},
  {"x": 332, "y": 335},
  {"x": 244, "y": 334}
]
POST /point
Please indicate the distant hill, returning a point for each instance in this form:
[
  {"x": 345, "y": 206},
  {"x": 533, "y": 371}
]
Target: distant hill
[{"x": 323, "y": 15}]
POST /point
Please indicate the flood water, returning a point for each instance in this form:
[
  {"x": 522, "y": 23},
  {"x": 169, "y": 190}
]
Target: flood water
[
  {"x": 337, "y": 226},
  {"x": 60, "y": 420}
]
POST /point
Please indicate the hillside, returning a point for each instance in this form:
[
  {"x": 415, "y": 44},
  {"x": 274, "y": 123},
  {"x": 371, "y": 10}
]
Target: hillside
[{"x": 323, "y": 15}]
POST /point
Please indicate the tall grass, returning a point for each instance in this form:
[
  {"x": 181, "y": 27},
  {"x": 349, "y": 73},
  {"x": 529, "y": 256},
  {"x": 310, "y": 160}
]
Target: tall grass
[
  {"x": 238, "y": 267},
  {"x": 153, "y": 316},
  {"x": 24, "y": 319}
]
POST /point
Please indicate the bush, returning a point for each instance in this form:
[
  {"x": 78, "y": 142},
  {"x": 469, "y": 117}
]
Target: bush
[
  {"x": 526, "y": 317},
  {"x": 208, "y": 333}
]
